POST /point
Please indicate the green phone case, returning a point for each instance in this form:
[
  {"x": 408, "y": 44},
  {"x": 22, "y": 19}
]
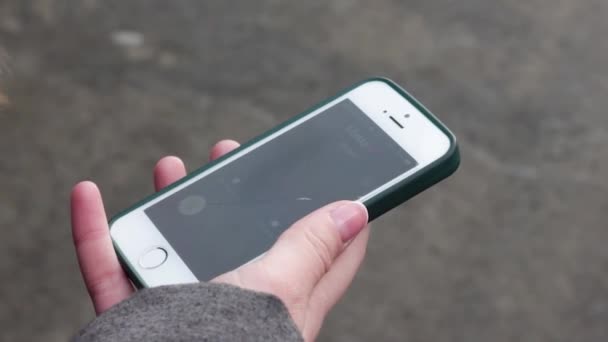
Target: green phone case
[{"x": 378, "y": 205}]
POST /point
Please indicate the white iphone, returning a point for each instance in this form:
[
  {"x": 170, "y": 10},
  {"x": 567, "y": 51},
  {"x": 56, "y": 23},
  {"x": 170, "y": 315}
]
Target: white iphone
[{"x": 373, "y": 143}]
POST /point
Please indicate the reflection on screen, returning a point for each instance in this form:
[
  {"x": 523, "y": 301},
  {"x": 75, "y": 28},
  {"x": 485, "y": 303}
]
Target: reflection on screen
[{"x": 237, "y": 212}]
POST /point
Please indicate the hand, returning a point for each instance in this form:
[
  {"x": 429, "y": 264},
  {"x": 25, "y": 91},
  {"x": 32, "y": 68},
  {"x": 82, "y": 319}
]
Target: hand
[{"x": 309, "y": 268}]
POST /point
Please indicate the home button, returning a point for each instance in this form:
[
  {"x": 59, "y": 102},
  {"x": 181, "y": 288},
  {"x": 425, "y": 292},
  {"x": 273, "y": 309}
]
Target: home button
[{"x": 153, "y": 258}]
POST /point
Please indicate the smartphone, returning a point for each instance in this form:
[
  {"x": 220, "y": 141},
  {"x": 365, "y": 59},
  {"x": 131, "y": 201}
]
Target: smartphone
[{"x": 373, "y": 143}]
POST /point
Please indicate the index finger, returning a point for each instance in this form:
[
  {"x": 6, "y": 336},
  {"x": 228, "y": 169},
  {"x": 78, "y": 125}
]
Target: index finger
[{"x": 105, "y": 279}]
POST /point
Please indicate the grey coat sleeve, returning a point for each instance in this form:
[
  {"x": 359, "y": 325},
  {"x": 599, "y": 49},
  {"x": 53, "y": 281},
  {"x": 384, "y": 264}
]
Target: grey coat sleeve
[{"x": 195, "y": 312}]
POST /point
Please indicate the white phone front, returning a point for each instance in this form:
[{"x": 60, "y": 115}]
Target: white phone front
[{"x": 354, "y": 147}]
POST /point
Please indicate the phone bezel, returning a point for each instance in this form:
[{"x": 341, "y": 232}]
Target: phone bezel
[{"x": 133, "y": 233}]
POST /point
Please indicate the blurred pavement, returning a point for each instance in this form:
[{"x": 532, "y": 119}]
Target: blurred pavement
[{"x": 512, "y": 248}]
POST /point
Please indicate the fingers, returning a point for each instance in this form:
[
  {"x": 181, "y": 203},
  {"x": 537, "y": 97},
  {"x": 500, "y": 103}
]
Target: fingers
[
  {"x": 306, "y": 251},
  {"x": 167, "y": 171},
  {"x": 171, "y": 169},
  {"x": 105, "y": 280},
  {"x": 222, "y": 147}
]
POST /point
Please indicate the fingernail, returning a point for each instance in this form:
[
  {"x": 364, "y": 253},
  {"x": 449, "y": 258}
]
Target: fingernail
[{"x": 350, "y": 219}]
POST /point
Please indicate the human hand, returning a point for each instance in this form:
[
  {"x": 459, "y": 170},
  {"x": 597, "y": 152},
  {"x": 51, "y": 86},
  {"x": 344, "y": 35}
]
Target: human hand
[{"x": 309, "y": 268}]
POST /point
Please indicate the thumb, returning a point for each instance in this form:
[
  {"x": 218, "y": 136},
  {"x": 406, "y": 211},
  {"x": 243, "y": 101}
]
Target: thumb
[{"x": 306, "y": 251}]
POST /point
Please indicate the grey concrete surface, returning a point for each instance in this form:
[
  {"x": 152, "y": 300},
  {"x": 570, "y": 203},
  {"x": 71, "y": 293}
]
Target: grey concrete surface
[{"x": 513, "y": 248}]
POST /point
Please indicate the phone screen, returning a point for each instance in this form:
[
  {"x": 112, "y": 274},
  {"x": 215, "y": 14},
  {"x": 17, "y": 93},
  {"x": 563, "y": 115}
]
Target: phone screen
[{"x": 237, "y": 212}]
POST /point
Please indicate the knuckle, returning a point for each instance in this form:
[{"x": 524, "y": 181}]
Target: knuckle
[
  {"x": 82, "y": 237},
  {"x": 321, "y": 247}
]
